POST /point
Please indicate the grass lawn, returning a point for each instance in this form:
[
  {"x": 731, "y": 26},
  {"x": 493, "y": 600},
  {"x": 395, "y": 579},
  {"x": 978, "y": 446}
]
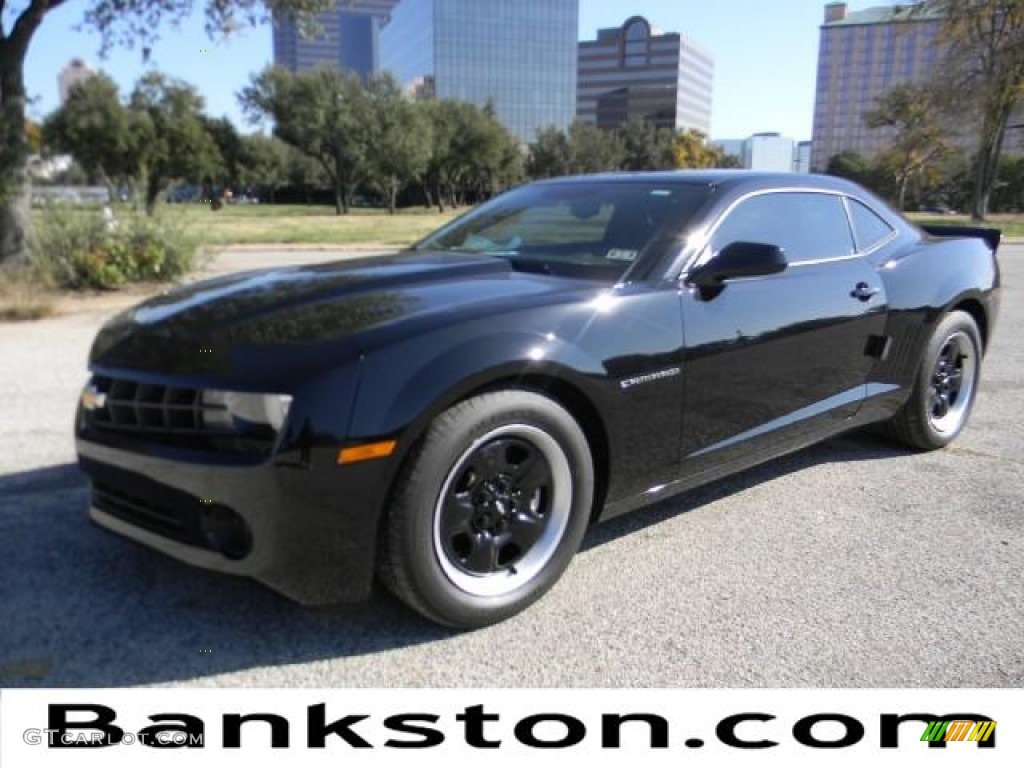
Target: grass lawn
[
  {"x": 1012, "y": 224},
  {"x": 23, "y": 298},
  {"x": 313, "y": 224}
]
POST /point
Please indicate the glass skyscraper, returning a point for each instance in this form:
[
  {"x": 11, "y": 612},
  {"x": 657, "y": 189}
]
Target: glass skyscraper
[
  {"x": 519, "y": 55},
  {"x": 350, "y": 38}
]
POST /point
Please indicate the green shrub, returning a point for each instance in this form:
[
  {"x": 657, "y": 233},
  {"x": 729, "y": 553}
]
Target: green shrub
[{"x": 77, "y": 248}]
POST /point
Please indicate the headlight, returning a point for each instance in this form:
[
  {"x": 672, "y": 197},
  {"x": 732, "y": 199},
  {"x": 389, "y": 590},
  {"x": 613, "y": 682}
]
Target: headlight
[{"x": 238, "y": 410}]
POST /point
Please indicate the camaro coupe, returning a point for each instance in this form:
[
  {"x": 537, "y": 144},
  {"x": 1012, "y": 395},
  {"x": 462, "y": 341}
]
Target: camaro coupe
[{"x": 452, "y": 418}]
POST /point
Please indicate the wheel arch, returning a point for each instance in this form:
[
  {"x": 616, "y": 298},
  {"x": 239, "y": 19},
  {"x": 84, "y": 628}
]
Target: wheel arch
[
  {"x": 578, "y": 403},
  {"x": 974, "y": 308}
]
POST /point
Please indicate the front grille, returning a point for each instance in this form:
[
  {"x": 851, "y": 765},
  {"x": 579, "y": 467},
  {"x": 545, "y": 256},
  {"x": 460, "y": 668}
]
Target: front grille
[
  {"x": 175, "y": 521},
  {"x": 166, "y": 520},
  {"x": 134, "y": 406},
  {"x": 169, "y": 512}
]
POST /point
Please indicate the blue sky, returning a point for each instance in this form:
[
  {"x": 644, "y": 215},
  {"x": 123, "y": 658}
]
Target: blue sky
[{"x": 765, "y": 56}]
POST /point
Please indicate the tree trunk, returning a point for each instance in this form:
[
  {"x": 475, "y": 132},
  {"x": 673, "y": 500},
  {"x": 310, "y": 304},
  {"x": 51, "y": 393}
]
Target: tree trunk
[
  {"x": 987, "y": 171},
  {"x": 15, "y": 223},
  {"x": 903, "y": 191},
  {"x": 152, "y": 193},
  {"x": 392, "y": 196},
  {"x": 339, "y": 200}
]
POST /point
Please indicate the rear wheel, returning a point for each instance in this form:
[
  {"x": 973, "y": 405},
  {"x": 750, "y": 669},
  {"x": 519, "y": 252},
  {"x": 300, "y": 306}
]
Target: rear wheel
[
  {"x": 489, "y": 510},
  {"x": 946, "y": 385}
]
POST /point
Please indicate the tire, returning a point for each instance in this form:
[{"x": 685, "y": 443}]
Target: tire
[
  {"x": 945, "y": 388},
  {"x": 488, "y": 510}
]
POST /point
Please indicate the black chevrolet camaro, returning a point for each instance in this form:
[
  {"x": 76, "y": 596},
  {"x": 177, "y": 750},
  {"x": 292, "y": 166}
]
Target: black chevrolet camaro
[{"x": 453, "y": 417}]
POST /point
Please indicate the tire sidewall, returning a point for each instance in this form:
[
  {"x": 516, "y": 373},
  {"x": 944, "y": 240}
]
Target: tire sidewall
[
  {"x": 446, "y": 442},
  {"x": 953, "y": 322}
]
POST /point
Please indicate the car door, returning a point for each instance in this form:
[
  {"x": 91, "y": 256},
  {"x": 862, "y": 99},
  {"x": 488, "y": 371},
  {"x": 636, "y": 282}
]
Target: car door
[{"x": 779, "y": 360}]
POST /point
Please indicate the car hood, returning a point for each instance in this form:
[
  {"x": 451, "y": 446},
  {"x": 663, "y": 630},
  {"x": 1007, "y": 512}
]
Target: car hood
[{"x": 218, "y": 327}]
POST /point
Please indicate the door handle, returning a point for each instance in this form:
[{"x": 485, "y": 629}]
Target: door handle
[{"x": 863, "y": 291}]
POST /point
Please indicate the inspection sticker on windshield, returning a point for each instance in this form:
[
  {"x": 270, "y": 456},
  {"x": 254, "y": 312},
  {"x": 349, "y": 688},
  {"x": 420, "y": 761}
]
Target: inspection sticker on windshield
[{"x": 621, "y": 254}]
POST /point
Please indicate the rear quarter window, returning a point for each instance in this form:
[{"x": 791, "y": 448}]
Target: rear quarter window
[{"x": 869, "y": 228}]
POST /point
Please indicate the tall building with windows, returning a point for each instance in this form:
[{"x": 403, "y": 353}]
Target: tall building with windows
[
  {"x": 75, "y": 71},
  {"x": 349, "y": 38},
  {"x": 802, "y": 160},
  {"x": 635, "y": 72},
  {"x": 769, "y": 152},
  {"x": 518, "y": 55},
  {"x": 862, "y": 55}
]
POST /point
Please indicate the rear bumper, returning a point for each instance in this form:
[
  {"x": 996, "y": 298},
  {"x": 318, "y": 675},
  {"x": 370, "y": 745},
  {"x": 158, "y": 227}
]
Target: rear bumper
[{"x": 307, "y": 531}]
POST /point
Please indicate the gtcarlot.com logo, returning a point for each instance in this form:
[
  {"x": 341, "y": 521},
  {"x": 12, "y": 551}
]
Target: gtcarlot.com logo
[{"x": 92, "y": 726}]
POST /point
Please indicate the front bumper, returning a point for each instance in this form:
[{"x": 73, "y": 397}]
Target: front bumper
[{"x": 309, "y": 528}]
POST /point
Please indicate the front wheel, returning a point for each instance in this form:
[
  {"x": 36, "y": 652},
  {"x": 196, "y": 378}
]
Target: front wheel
[
  {"x": 489, "y": 510},
  {"x": 945, "y": 388}
]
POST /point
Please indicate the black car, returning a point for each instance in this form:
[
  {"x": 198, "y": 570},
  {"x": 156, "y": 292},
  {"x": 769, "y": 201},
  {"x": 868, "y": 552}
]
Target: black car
[{"x": 453, "y": 417}]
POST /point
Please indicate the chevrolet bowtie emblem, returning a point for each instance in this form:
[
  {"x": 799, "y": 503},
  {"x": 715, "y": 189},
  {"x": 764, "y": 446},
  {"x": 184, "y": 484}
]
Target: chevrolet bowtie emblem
[{"x": 93, "y": 399}]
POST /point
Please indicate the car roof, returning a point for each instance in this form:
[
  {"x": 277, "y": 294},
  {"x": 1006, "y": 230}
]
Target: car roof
[{"x": 721, "y": 178}]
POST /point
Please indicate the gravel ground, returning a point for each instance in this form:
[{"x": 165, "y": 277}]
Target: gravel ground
[{"x": 853, "y": 563}]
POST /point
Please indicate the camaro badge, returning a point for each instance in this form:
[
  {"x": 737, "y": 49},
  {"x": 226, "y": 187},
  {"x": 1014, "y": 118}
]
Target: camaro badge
[
  {"x": 648, "y": 378},
  {"x": 93, "y": 399}
]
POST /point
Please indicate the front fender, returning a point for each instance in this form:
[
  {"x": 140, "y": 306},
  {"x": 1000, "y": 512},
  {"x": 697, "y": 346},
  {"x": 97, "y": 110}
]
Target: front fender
[{"x": 409, "y": 384}]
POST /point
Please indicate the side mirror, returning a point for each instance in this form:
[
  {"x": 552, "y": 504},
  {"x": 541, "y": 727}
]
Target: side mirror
[{"x": 740, "y": 259}]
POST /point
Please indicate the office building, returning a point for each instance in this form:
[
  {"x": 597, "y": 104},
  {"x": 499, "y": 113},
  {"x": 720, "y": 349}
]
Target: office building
[
  {"x": 349, "y": 38},
  {"x": 74, "y": 72},
  {"x": 862, "y": 55},
  {"x": 635, "y": 72},
  {"x": 802, "y": 163},
  {"x": 770, "y": 152},
  {"x": 518, "y": 55}
]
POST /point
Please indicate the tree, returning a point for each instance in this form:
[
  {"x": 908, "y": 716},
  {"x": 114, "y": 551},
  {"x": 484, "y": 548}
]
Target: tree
[
  {"x": 442, "y": 115},
  {"x": 985, "y": 47},
  {"x": 1008, "y": 194},
  {"x": 325, "y": 113},
  {"x": 550, "y": 154},
  {"x": 692, "y": 151},
  {"x": 305, "y": 173},
  {"x": 913, "y": 115},
  {"x": 34, "y": 136},
  {"x": 646, "y": 147},
  {"x": 180, "y": 146},
  {"x": 484, "y": 156},
  {"x": 401, "y": 145},
  {"x": 859, "y": 169},
  {"x": 125, "y": 22},
  {"x": 96, "y": 129},
  {"x": 225, "y": 136},
  {"x": 471, "y": 153},
  {"x": 584, "y": 148},
  {"x": 264, "y": 164},
  {"x": 593, "y": 149}
]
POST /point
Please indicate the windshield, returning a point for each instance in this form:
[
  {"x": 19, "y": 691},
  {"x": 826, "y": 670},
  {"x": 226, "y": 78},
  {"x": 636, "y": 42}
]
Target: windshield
[{"x": 587, "y": 229}]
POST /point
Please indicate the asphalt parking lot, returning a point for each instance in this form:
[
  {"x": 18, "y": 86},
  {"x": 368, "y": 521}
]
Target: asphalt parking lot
[{"x": 854, "y": 563}]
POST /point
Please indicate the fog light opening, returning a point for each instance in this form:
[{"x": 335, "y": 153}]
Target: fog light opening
[{"x": 225, "y": 532}]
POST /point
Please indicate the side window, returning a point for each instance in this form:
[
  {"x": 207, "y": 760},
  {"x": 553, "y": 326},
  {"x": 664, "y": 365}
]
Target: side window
[
  {"x": 869, "y": 228},
  {"x": 806, "y": 225}
]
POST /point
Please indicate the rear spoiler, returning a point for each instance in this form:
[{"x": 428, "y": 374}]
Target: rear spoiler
[{"x": 992, "y": 237}]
